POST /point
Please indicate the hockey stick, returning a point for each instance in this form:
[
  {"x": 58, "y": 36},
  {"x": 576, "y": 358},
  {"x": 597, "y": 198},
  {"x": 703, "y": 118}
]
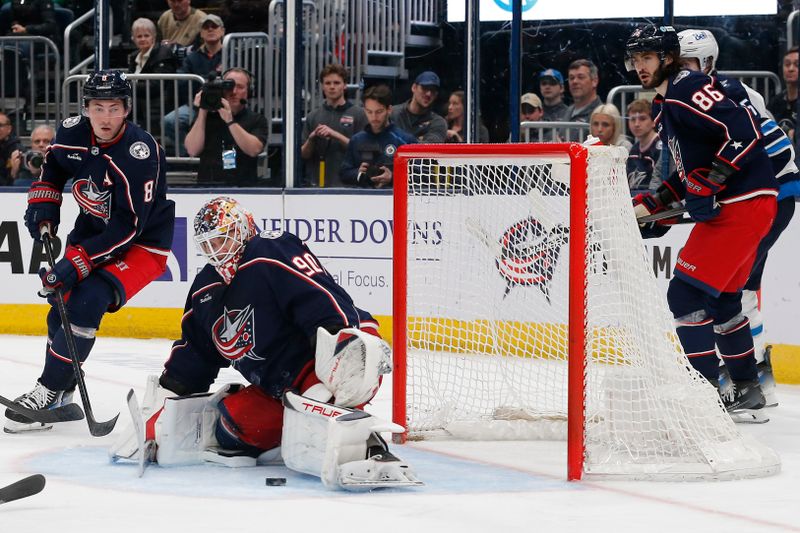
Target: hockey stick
[
  {"x": 65, "y": 413},
  {"x": 97, "y": 429},
  {"x": 669, "y": 213},
  {"x": 22, "y": 489}
]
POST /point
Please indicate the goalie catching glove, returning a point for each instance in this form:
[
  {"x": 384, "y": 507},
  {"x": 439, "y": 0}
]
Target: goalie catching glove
[{"x": 350, "y": 364}]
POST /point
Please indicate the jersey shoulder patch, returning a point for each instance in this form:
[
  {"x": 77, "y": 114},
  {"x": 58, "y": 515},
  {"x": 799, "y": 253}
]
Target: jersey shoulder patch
[
  {"x": 139, "y": 150},
  {"x": 71, "y": 121}
]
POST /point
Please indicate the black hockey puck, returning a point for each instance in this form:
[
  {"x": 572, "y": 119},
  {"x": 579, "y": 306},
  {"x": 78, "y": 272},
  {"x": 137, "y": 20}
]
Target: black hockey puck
[{"x": 276, "y": 481}]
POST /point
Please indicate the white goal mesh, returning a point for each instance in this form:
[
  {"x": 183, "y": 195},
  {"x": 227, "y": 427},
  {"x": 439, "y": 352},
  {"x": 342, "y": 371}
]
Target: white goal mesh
[{"x": 484, "y": 264}]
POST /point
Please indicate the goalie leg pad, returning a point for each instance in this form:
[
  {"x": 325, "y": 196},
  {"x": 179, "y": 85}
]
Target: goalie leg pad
[
  {"x": 350, "y": 364},
  {"x": 335, "y": 444},
  {"x": 127, "y": 444}
]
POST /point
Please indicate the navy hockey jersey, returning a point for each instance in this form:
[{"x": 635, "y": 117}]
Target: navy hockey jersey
[
  {"x": 778, "y": 146},
  {"x": 120, "y": 187},
  {"x": 699, "y": 123},
  {"x": 265, "y": 322}
]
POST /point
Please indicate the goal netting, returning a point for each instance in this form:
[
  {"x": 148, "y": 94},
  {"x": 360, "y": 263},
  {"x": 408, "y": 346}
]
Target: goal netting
[{"x": 526, "y": 308}]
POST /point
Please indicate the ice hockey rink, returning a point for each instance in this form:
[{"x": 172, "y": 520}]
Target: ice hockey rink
[{"x": 470, "y": 486}]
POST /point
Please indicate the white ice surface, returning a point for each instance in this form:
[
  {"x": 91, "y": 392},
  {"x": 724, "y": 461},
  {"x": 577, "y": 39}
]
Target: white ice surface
[{"x": 481, "y": 487}]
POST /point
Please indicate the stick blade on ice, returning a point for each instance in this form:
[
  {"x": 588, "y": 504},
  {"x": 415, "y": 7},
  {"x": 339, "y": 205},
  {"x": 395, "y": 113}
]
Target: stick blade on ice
[{"x": 22, "y": 489}]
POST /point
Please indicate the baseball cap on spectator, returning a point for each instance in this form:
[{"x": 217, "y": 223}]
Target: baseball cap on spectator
[
  {"x": 428, "y": 79},
  {"x": 213, "y": 18},
  {"x": 551, "y": 73},
  {"x": 531, "y": 99}
]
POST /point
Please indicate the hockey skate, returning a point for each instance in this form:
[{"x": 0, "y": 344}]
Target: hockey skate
[
  {"x": 743, "y": 400},
  {"x": 767, "y": 379},
  {"x": 39, "y": 398}
]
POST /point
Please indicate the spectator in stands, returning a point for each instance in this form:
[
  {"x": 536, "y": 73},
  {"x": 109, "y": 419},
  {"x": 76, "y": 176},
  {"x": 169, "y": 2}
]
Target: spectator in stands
[
  {"x": 551, "y": 87},
  {"x": 784, "y": 106},
  {"x": 416, "y": 116},
  {"x": 328, "y": 129},
  {"x": 583, "y": 79},
  {"x": 9, "y": 150},
  {"x": 605, "y": 123},
  {"x": 646, "y": 151},
  {"x": 30, "y": 17},
  {"x": 205, "y": 60},
  {"x": 245, "y": 15},
  {"x": 29, "y": 164},
  {"x": 369, "y": 161},
  {"x": 151, "y": 57},
  {"x": 530, "y": 110},
  {"x": 228, "y": 138},
  {"x": 456, "y": 121},
  {"x": 180, "y": 24}
]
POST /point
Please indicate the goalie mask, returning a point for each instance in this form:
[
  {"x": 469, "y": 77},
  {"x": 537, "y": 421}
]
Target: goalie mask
[
  {"x": 700, "y": 45},
  {"x": 222, "y": 228}
]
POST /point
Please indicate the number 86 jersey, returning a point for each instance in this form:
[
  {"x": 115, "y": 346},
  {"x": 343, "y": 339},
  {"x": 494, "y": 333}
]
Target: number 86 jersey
[
  {"x": 263, "y": 323},
  {"x": 700, "y": 123}
]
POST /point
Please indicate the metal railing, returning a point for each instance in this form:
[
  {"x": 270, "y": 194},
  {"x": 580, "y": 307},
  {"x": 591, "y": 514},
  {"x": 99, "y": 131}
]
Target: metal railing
[
  {"x": 154, "y": 95},
  {"x": 30, "y": 80},
  {"x": 766, "y": 83},
  {"x": 790, "y": 21},
  {"x": 424, "y": 12},
  {"x": 542, "y": 131},
  {"x": 253, "y": 52},
  {"x": 84, "y": 64}
]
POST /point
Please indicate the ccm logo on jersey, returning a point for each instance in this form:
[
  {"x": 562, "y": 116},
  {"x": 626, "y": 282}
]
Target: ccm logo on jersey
[{"x": 75, "y": 156}]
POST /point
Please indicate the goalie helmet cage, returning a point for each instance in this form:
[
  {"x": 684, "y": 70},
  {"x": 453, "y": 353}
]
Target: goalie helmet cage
[{"x": 525, "y": 308}]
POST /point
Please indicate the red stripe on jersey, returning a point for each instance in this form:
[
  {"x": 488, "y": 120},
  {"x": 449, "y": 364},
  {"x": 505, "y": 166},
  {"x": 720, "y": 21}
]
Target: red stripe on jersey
[{"x": 304, "y": 278}]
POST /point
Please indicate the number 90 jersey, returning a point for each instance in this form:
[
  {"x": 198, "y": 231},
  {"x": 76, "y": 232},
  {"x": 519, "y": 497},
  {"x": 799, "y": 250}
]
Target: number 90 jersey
[
  {"x": 265, "y": 321},
  {"x": 700, "y": 123}
]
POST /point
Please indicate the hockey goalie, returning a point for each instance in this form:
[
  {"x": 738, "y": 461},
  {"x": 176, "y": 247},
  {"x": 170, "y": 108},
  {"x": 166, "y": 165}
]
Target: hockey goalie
[{"x": 266, "y": 306}]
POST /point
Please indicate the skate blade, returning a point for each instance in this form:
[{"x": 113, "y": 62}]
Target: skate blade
[
  {"x": 27, "y": 429},
  {"x": 749, "y": 416}
]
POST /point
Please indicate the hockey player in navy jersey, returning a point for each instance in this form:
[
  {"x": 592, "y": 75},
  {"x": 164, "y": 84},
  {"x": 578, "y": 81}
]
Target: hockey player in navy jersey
[
  {"x": 265, "y": 306},
  {"x": 122, "y": 235},
  {"x": 699, "y": 51},
  {"x": 727, "y": 183}
]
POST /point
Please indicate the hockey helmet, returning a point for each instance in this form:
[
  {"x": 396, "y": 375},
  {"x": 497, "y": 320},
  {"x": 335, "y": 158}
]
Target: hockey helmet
[
  {"x": 651, "y": 38},
  {"x": 107, "y": 85},
  {"x": 700, "y": 45},
  {"x": 222, "y": 227}
]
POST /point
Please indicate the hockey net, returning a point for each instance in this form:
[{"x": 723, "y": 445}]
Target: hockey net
[{"x": 525, "y": 308}]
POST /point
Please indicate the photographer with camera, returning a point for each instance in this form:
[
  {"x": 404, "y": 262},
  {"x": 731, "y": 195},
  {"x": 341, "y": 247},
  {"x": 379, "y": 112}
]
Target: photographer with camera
[
  {"x": 369, "y": 161},
  {"x": 28, "y": 164},
  {"x": 226, "y": 134}
]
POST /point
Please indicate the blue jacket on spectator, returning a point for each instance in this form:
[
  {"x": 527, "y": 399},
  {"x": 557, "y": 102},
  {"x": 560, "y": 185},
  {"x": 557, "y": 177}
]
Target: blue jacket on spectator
[{"x": 375, "y": 148}]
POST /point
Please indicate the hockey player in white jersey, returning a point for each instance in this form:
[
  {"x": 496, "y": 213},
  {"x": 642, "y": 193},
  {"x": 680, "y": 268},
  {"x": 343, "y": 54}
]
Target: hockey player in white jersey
[{"x": 699, "y": 51}]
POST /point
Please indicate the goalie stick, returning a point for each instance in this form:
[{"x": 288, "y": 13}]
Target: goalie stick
[
  {"x": 22, "y": 489},
  {"x": 147, "y": 448},
  {"x": 65, "y": 413},
  {"x": 97, "y": 429}
]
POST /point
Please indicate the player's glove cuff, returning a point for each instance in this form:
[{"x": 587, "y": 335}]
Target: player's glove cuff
[
  {"x": 74, "y": 267},
  {"x": 720, "y": 171},
  {"x": 699, "y": 182},
  {"x": 42, "y": 191}
]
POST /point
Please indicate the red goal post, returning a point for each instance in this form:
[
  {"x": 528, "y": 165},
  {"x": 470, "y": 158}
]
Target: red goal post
[{"x": 499, "y": 335}]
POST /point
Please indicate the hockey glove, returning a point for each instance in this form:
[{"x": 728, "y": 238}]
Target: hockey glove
[
  {"x": 69, "y": 270},
  {"x": 44, "y": 208},
  {"x": 702, "y": 187},
  {"x": 647, "y": 203}
]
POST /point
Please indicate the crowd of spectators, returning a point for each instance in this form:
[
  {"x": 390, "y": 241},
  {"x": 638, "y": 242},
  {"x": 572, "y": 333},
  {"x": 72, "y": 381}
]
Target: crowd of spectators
[{"x": 228, "y": 137}]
